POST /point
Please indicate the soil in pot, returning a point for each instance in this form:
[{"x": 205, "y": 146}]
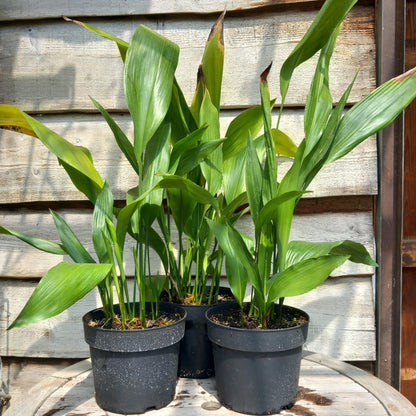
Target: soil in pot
[
  {"x": 257, "y": 370},
  {"x": 135, "y": 370}
]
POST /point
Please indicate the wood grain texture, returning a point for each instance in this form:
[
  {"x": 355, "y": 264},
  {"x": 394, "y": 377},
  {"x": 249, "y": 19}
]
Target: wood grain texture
[
  {"x": 25, "y": 9},
  {"x": 56, "y": 65},
  {"x": 29, "y": 172},
  {"x": 19, "y": 260},
  {"x": 341, "y": 311}
]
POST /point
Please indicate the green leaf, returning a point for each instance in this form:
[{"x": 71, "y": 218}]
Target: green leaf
[
  {"x": 249, "y": 121},
  {"x": 76, "y": 160},
  {"x": 328, "y": 19},
  {"x": 62, "y": 286},
  {"x": 374, "y": 112},
  {"x": 182, "y": 206},
  {"x": 148, "y": 80},
  {"x": 156, "y": 162},
  {"x": 283, "y": 144},
  {"x": 270, "y": 166},
  {"x": 213, "y": 61},
  {"x": 268, "y": 212},
  {"x": 236, "y": 273},
  {"x": 103, "y": 209},
  {"x": 122, "y": 141},
  {"x": 199, "y": 194},
  {"x": 211, "y": 166},
  {"x": 319, "y": 103},
  {"x": 121, "y": 44},
  {"x": 254, "y": 179},
  {"x": 302, "y": 277},
  {"x": 179, "y": 115},
  {"x": 39, "y": 243},
  {"x": 70, "y": 242},
  {"x": 301, "y": 250},
  {"x": 234, "y": 175}
]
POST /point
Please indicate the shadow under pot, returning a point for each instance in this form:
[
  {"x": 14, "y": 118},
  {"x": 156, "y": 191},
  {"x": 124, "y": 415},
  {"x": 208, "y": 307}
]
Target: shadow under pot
[
  {"x": 256, "y": 370},
  {"x": 134, "y": 370}
]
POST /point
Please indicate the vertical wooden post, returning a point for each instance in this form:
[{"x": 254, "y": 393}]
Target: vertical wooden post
[{"x": 390, "y": 62}]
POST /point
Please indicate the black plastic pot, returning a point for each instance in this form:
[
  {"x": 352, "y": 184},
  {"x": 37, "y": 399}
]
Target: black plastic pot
[
  {"x": 134, "y": 370},
  {"x": 195, "y": 357},
  {"x": 257, "y": 371}
]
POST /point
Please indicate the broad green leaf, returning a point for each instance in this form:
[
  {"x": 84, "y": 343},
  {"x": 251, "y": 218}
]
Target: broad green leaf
[
  {"x": 328, "y": 19},
  {"x": 268, "y": 212},
  {"x": 156, "y": 161},
  {"x": 314, "y": 161},
  {"x": 236, "y": 273},
  {"x": 233, "y": 245},
  {"x": 302, "y": 250},
  {"x": 121, "y": 44},
  {"x": 302, "y": 277},
  {"x": 248, "y": 121},
  {"x": 213, "y": 61},
  {"x": 283, "y": 144},
  {"x": 182, "y": 206},
  {"x": 374, "y": 112},
  {"x": 270, "y": 166},
  {"x": 75, "y": 159},
  {"x": 179, "y": 115},
  {"x": 148, "y": 80},
  {"x": 103, "y": 209},
  {"x": 154, "y": 286},
  {"x": 62, "y": 286},
  {"x": 122, "y": 141},
  {"x": 233, "y": 175},
  {"x": 199, "y": 194},
  {"x": 253, "y": 179},
  {"x": 70, "y": 242},
  {"x": 184, "y": 146},
  {"x": 194, "y": 157},
  {"x": 319, "y": 102},
  {"x": 212, "y": 166},
  {"x": 124, "y": 217},
  {"x": 11, "y": 118},
  {"x": 39, "y": 243}
]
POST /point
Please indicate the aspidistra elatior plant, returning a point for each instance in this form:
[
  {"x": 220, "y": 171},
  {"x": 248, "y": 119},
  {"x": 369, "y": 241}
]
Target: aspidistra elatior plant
[
  {"x": 204, "y": 176},
  {"x": 150, "y": 64},
  {"x": 275, "y": 266}
]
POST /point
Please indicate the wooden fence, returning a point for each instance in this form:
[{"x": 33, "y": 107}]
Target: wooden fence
[{"x": 50, "y": 67}]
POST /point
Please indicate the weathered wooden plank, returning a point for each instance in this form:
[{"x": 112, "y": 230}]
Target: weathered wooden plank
[
  {"x": 25, "y": 9},
  {"x": 56, "y": 65},
  {"x": 18, "y": 260},
  {"x": 341, "y": 311},
  {"x": 29, "y": 172}
]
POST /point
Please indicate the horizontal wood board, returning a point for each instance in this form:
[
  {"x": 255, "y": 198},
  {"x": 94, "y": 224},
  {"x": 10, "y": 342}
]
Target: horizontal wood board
[
  {"x": 55, "y": 65},
  {"x": 29, "y": 172},
  {"x": 26, "y": 9},
  {"x": 19, "y": 260},
  {"x": 341, "y": 311}
]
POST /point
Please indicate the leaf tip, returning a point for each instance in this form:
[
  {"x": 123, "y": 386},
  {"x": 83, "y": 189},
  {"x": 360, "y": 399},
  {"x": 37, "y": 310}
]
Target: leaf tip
[
  {"x": 406, "y": 75},
  {"x": 218, "y": 27},
  {"x": 265, "y": 73}
]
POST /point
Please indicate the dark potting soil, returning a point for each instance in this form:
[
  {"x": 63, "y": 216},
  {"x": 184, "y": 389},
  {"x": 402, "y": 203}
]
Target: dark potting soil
[
  {"x": 240, "y": 318},
  {"x": 189, "y": 299},
  {"x": 164, "y": 319}
]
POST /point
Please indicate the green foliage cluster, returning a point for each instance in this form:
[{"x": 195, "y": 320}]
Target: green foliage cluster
[{"x": 208, "y": 182}]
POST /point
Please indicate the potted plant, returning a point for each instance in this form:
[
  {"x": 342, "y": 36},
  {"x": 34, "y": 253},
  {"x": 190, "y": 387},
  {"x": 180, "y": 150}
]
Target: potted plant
[
  {"x": 134, "y": 340},
  {"x": 199, "y": 169},
  {"x": 258, "y": 344}
]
